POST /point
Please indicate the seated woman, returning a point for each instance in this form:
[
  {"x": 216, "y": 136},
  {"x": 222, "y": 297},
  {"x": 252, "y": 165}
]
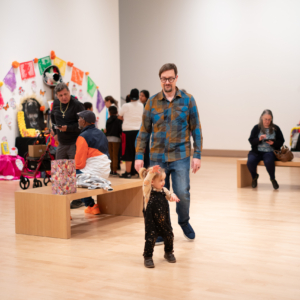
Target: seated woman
[{"x": 264, "y": 139}]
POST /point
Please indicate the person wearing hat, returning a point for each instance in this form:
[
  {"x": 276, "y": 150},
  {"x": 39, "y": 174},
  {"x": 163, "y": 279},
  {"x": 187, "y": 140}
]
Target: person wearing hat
[
  {"x": 131, "y": 113},
  {"x": 91, "y": 154}
]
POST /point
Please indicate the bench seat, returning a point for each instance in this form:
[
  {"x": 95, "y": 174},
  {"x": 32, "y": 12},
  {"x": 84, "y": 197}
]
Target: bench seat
[
  {"x": 244, "y": 178},
  {"x": 39, "y": 212}
]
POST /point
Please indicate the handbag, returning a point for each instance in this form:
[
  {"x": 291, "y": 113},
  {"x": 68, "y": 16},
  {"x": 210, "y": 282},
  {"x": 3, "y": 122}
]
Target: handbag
[{"x": 284, "y": 154}]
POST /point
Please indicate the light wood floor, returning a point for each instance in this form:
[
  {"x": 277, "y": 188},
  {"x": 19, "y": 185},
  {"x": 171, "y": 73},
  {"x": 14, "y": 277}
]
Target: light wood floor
[{"x": 247, "y": 247}]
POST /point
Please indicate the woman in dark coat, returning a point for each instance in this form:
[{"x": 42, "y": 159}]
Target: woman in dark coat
[{"x": 265, "y": 138}]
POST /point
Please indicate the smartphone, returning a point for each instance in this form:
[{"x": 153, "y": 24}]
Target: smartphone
[{"x": 269, "y": 140}]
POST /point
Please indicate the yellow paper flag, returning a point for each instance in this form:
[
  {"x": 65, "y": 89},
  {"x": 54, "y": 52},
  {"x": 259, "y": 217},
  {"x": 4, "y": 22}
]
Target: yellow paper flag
[{"x": 61, "y": 65}]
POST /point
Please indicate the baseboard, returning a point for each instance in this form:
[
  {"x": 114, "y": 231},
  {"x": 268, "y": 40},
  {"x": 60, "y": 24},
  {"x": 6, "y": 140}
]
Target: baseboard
[{"x": 224, "y": 153}]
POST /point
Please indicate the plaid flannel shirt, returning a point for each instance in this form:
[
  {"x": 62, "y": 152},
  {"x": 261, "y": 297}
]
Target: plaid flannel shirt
[{"x": 171, "y": 124}]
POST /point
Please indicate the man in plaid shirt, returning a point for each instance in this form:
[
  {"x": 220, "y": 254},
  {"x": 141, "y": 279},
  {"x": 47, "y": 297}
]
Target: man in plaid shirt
[{"x": 171, "y": 116}]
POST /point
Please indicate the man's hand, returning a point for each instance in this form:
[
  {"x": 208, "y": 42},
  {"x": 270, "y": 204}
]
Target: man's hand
[
  {"x": 174, "y": 198},
  {"x": 196, "y": 165},
  {"x": 63, "y": 128},
  {"x": 138, "y": 164}
]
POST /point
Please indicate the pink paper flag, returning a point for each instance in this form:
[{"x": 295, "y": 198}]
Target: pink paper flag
[
  {"x": 10, "y": 80},
  {"x": 1, "y": 101},
  {"x": 100, "y": 102}
]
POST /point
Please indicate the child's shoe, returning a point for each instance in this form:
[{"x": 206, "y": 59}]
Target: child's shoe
[
  {"x": 169, "y": 256},
  {"x": 148, "y": 262},
  {"x": 94, "y": 210}
]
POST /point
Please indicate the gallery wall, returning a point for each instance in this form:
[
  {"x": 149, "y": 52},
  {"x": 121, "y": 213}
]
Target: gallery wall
[
  {"x": 237, "y": 57},
  {"x": 85, "y": 33}
]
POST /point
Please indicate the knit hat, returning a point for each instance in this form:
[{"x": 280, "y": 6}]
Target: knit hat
[
  {"x": 134, "y": 94},
  {"x": 87, "y": 116}
]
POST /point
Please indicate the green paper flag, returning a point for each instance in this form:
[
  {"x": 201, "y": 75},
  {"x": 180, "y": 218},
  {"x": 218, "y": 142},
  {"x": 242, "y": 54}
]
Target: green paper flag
[
  {"x": 44, "y": 63},
  {"x": 91, "y": 86}
]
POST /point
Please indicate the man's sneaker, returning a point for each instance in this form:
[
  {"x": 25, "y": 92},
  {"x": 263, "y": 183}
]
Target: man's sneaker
[
  {"x": 275, "y": 184},
  {"x": 148, "y": 262},
  {"x": 113, "y": 173},
  {"x": 169, "y": 256},
  {"x": 125, "y": 175},
  {"x": 188, "y": 232},
  {"x": 76, "y": 204},
  {"x": 254, "y": 181},
  {"x": 94, "y": 210},
  {"x": 159, "y": 241}
]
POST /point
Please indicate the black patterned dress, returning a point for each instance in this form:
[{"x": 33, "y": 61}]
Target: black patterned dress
[{"x": 157, "y": 223}]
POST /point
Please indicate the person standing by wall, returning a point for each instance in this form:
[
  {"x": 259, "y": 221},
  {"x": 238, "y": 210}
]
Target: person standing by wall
[
  {"x": 131, "y": 113},
  {"x": 170, "y": 116}
]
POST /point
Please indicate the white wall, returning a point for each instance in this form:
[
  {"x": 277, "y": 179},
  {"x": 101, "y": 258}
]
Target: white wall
[
  {"x": 237, "y": 57},
  {"x": 83, "y": 32}
]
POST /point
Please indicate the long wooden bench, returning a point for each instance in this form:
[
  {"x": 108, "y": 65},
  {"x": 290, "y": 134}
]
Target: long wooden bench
[
  {"x": 39, "y": 212},
  {"x": 244, "y": 177}
]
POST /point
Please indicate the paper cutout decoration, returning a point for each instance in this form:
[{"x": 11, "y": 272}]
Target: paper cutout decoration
[
  {"x": 27, "y": 70},
  {"x": 8, "y": 120},
  {"x": 1, "y": 101},
  {"x": 91, "y": 86},
  {"x": 1, "y": 83},
  {"x": 77, "y": 76},
  {"x": 44, "y": 63},
  {"x": 100, "y": 102},
  {"x": 12, "y": 103},
  {"x": 80, "y": 94},
  {"x": 21, "y": 91},
  {"x": 6, "y": 107},
  {"x": 74, "y": 89},
  {"x": 4, "y": 139},
  {"x": 10, "y": 80},
  {"x": 33, "y": 86},
  {"x": 61, "y": 64}
]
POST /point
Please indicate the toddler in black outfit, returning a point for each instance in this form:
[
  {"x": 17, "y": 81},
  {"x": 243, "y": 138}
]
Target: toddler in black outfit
[{"x": 157, "y": 214}]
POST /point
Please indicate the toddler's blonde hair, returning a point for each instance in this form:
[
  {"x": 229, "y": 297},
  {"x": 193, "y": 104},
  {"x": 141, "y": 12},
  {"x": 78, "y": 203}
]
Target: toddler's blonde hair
[{"x": 143, "y": 172}]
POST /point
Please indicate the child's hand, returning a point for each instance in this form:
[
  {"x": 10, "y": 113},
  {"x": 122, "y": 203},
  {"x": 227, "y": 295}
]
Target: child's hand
[
  {"x": 174, "y": 198},
  {"x": 155, "y": 169}
]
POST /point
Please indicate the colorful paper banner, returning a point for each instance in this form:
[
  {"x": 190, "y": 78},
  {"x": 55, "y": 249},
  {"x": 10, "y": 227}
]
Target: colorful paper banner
[
  {"x": 100, "y": 102},
  {"x": 27, "y": 70},
  {"x": 91, "y": 86},
  {"x": 61, "y": 64},
  {"x": 77, "y": 76},
  {"x": 44, "y": 63},
  {"x": 10, "y": 80}
]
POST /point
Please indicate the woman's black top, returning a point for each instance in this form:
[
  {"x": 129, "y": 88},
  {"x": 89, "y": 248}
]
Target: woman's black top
[{"x": 254, "y": 139}]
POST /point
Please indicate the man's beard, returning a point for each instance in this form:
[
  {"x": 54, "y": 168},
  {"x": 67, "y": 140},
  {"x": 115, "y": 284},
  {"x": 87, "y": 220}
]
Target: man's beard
[
  {"x": 168, "y": 89},
  {"x": 80, "y": 127}
]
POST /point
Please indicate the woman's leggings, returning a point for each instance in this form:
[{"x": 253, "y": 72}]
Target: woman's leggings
[{"x": 269, "y": 159}]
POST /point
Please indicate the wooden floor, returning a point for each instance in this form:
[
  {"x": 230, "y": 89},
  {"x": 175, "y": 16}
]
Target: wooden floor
[{"x": 247, "y": 247}]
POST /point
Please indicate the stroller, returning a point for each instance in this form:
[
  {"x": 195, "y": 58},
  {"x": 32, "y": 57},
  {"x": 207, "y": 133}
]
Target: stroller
[{"x": 34, "y": 165}]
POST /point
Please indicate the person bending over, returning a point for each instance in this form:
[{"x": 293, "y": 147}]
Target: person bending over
[{"x": 91, "y": 154}]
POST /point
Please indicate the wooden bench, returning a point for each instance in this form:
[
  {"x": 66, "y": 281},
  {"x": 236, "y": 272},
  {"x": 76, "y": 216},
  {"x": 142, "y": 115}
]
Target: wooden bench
[
  {"x": 39, "y": 212},
  {"x": 244, "y": 177}
]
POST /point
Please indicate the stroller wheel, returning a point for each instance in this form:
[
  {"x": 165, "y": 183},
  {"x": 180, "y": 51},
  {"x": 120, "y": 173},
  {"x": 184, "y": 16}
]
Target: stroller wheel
[
  {"x": 37, "y": 183},
  {"x": 46, "y": 180},
  {"x": 24, "y": 183}
]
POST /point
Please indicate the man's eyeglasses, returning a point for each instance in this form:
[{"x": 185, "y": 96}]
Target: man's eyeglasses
[{"x": 170, "y": 79}]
